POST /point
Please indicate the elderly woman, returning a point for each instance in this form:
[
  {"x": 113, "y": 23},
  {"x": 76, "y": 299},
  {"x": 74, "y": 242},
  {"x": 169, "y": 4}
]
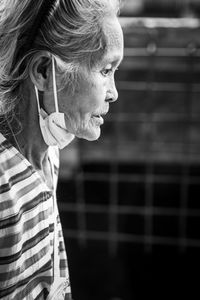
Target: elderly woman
[{"x": 57, "y": 65}]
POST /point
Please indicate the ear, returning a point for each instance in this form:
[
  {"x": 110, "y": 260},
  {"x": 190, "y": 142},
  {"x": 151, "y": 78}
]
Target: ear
[{"x": 40, "y": 70}]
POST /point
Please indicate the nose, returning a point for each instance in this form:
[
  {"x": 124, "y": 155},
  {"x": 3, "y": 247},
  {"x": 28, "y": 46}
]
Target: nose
[{"x": 112, "y": 93}]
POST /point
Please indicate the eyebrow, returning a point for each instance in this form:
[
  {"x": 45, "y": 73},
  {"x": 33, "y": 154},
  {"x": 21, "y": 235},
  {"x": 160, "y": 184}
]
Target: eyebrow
[{"x": 114, "y": 59}]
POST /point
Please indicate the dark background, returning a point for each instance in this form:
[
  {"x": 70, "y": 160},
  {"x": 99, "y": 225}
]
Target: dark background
[{"x": 130, "y": 202}]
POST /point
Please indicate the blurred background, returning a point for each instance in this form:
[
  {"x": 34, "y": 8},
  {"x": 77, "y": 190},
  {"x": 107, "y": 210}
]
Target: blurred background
[{"x": 130, "y": 202}]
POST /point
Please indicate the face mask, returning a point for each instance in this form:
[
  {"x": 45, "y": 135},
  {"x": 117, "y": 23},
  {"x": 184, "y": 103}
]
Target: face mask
[{"x": 53, "y": 126}]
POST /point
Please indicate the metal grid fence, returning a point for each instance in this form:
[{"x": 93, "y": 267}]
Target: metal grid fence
[{"x": 139, "y": 184}]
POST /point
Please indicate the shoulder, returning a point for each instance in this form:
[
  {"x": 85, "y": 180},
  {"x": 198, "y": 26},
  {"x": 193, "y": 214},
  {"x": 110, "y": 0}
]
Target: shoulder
[
  {"x": 12, "y": 164},
  {"x": 18, "y": 180}
]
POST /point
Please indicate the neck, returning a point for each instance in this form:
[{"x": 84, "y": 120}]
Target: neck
[{"x": 28, "y": 140}]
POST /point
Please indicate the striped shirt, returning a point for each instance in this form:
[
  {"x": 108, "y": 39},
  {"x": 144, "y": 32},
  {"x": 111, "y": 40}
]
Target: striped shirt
[{"x": 29, "y": 228}]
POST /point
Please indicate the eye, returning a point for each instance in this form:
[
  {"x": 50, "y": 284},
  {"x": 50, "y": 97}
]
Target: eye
[{"x": 108, "y": 71}]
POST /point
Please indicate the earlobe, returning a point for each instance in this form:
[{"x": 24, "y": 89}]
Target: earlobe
[{"x": 39, "y": 71}]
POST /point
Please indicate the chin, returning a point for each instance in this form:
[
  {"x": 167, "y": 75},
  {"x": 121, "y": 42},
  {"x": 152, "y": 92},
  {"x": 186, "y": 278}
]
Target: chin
[{"x": 90, "y": 135}]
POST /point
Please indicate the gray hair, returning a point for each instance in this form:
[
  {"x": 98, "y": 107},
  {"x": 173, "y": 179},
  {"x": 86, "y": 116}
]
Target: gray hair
[{"x": 71, "y": 31}]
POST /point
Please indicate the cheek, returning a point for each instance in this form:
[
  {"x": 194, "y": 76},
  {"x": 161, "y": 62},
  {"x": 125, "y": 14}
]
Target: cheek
[
  {"x": 87, "y": 99},
  {"x": 97, "y": 96},
  {"x": 77, "y": 113}
]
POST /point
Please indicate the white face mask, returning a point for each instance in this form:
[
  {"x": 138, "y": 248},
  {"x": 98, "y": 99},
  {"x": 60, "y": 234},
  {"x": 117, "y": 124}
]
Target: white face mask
[{"x": 53, "y": 126}]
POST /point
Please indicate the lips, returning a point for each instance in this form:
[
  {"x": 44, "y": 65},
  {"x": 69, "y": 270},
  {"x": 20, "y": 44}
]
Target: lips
[
  {"x": 98, "y": 119},
  {"x": 99, "y": 115}
]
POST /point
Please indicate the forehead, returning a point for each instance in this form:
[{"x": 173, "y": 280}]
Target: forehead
[{"x": 114, "y": 39}]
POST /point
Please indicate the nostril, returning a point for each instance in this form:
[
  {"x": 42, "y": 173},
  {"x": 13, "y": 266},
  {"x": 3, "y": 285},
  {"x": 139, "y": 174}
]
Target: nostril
[{"x": 111, "y": 99}]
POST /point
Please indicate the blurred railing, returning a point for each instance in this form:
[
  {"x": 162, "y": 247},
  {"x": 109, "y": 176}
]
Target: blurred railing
[
  {"x": 162, "y": 8},
  {"x": 156, "y": 121},
  {"x": 138, "y": 186}
]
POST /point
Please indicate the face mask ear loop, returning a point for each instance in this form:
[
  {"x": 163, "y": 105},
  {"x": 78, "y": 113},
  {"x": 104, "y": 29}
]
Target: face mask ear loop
[
  {"x": 54, "y": 85},
  {"x": 37, "y": 97}
]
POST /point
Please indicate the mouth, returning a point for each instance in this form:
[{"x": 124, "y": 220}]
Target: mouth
[
  {"x": 99, "y": 118},
  {"x": 100, "y": 115}
]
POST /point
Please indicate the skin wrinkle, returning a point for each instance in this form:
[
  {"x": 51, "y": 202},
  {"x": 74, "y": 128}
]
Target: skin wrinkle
[{"x": 94, "y": 90}]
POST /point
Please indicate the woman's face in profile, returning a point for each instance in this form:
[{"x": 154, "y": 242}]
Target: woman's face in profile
[{"x": 84, "y": 110}]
